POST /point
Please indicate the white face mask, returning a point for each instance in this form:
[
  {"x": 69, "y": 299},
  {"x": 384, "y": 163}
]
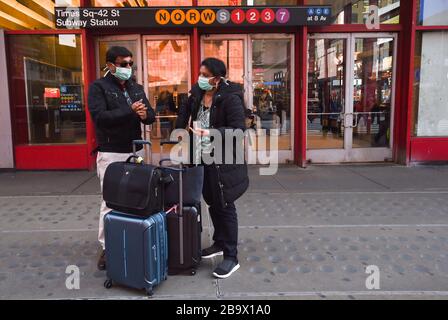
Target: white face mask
[
  {"x": 204, "y": 83},
  {"x": 123, "y": 74}
]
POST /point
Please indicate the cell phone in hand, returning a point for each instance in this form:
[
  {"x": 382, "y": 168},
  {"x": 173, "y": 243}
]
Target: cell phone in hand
[{"x": 195, "y": 131}]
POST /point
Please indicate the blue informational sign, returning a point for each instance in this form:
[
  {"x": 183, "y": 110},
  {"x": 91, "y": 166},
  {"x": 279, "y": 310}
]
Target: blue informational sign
[{"x": 71, "y": 98}]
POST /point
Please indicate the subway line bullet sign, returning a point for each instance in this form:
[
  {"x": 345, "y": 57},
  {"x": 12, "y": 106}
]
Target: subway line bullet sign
[
  {"x": 223, "y": 16},
  {"x": 76, "y": 18}
]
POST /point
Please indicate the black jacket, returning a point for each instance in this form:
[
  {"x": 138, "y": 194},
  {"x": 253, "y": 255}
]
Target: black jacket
[
  {"x": 227, "y": 113},
  {"x": 116, "y": 124}
]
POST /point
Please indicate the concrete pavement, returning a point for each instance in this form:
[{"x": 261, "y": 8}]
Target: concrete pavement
[{"x": 304, "y": 234}]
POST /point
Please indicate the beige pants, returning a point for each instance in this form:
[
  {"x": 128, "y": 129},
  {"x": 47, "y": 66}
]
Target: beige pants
[{"x": 103, "y": 160}]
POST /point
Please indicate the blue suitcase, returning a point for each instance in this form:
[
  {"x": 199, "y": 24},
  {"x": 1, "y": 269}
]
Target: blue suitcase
[{"x": 136, "y": 250}]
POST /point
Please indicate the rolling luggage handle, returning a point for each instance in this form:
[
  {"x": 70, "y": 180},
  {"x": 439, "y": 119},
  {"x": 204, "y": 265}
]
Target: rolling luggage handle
[
  {"x": 136, "y": 143},
  {"x": 181, "y": 200},
  {"x": 181, "y": 206}
]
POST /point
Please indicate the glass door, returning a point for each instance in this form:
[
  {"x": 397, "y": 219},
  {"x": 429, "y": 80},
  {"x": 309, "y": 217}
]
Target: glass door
[
  {"x": 230, "y": 49},
  {"x": 327, "y": 96},
  {"x": 233, "y": 50},
  {"x": 132, "y": 42},
  {"x": 272, "y": 94},
  {"x": 262, "y": 64},
  {"x": 350, "y": 97},
  {"x": 165, "y": 75},
  {"x": 373, "y": 94},
  {"x": 167, "y": 82}
]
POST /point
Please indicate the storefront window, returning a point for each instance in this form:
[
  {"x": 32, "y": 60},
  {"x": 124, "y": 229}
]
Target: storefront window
[
  {"x": 357, "y": 11},
  {"x": 432, "y": 12},
  {"x": 29, "y": 15},
  {"x": 46, "y": 74},
  {"x": 147, "y": 3},
  {"x": 234, "y": 3},
  {"x": 431, "y": 84}
]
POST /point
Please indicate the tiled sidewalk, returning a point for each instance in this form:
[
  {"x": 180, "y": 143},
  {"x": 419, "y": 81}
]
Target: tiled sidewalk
[{"x": 304, "y": 234}]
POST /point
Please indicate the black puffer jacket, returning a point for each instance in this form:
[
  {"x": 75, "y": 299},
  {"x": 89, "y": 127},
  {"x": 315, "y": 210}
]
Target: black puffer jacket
[
  {"x": 116, "y": 124},
  {"x": 227, "y": 113}
]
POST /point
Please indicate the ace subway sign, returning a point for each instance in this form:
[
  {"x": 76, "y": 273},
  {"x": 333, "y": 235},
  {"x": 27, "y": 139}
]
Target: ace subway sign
[{"x": 78, "y": 18}]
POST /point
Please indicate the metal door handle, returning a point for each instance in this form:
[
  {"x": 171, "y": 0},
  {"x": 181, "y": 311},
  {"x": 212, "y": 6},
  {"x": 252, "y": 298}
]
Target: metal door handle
[
  {"x": 345, "y": 120},
  {"x": 356, "y": 118}
]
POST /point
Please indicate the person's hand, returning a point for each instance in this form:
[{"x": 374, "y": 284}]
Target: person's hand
[
  {"x": 140, "y": 109},
  {"x": 136, "y": 106},
  {"x": 143, "y": 113}
]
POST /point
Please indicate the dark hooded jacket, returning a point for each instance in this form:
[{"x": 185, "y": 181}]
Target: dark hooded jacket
[
  {"x": 226, "y": 113},
  {"x": 116, "y": 124}
]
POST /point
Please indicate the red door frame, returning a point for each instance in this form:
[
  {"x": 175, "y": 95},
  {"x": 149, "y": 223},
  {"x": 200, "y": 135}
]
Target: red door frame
[
  {"x": 400, "y": 105},
  {"x": 89, "y": 77},
  {"x": 405, "y": 84},
  {"x": 195, "y": 49},
  {"x": 46, "y": 157},
  {"x": 301, "y": 78},
  {"x": 408, "y": 149},
  {"x": 52, "y": 157},
  {"x": 79, "y": 156},
  {"x": 300, "y": 55},
  {"x": 422, "y": 149}
]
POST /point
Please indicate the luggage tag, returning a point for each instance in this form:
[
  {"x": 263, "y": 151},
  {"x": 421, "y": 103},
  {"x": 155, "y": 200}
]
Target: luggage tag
[{"x": 173, "y": 209}]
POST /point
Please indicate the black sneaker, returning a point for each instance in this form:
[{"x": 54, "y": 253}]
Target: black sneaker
[
  {"x": 226, "y": 268},
  {"x": 211, "y": 252}
]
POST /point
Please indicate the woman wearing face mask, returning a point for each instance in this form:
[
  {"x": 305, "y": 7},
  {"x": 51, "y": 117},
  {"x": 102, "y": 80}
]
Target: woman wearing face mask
[{"x": 218, "y": 104}]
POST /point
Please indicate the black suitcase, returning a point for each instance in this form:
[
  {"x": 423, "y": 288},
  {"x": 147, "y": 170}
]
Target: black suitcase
[
  {"x": 184, "y": 229},
  {"x": 184, "y": 244},
  {"x": 134, "y": 187}
]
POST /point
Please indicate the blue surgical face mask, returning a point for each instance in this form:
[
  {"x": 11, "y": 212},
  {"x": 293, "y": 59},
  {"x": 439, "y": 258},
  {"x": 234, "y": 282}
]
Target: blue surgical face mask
[
  {"x": 123, "y": 74},
  {"x": 204, "y": 83}
]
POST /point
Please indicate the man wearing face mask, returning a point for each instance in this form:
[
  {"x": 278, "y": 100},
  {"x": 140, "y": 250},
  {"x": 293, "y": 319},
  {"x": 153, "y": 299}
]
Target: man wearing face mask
[
  {"x": 118, "y": 106},
  {"x": 218, "y": 104}
]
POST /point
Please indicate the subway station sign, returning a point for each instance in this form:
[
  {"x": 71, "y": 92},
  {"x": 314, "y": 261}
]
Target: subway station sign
[{"x": 79, "y": 18}]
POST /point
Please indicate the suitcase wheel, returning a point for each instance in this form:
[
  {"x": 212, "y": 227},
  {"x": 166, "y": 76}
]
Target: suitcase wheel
[
  {"x": 108, "y": 284},
  {"x": 149, "y": 292},
  {"x": 193, "y": 272}
]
